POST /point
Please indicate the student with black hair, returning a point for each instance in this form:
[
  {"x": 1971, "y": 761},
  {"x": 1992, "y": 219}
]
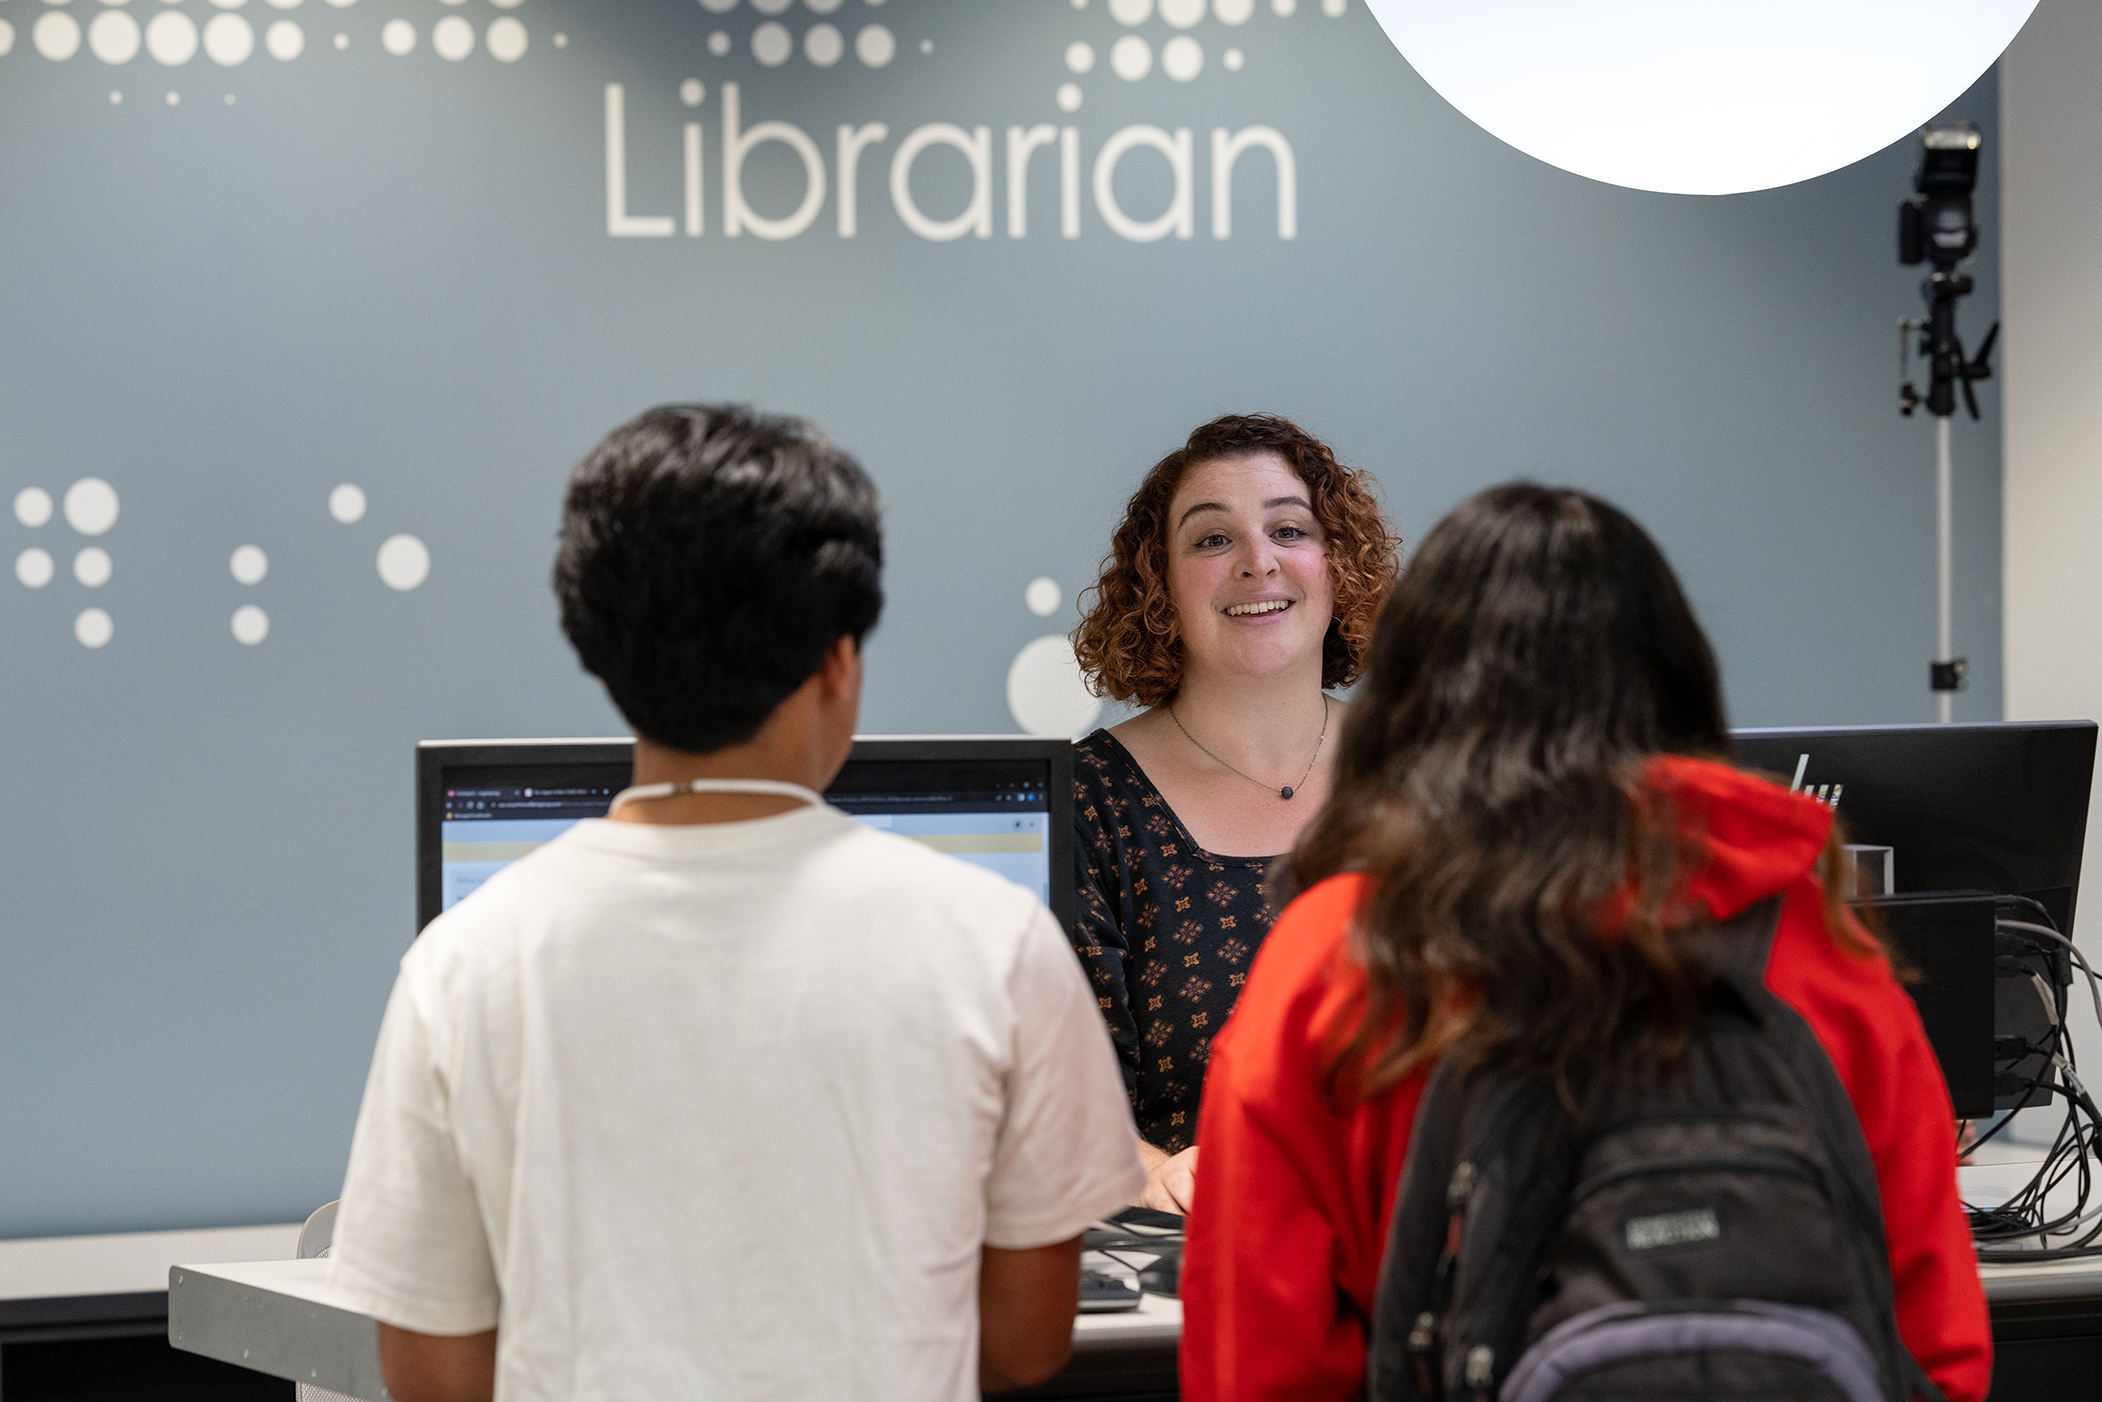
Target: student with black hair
[
  {"x": 1534, "y": 813},
  {"x": 728, "y": 1095}
]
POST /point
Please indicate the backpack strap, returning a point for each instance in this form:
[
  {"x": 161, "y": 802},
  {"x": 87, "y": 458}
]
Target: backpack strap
[{"x": 1738, "y": 950}]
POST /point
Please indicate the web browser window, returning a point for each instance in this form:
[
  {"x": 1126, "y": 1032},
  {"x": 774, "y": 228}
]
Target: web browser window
[{"x": 992, "y": 813}]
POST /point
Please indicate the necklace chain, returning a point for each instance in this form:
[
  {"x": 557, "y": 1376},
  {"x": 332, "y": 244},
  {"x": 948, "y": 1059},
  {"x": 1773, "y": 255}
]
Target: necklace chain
[{"x": 1287, "y": 790}]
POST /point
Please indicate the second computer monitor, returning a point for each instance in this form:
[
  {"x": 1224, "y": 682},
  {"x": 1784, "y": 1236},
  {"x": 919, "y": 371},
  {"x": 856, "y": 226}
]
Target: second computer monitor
[{"x": 1998, "y": 806}]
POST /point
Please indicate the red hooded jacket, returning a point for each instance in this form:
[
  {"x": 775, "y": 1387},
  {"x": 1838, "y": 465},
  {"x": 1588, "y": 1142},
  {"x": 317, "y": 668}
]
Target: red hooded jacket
[{"x": 1293, "y": 1197}]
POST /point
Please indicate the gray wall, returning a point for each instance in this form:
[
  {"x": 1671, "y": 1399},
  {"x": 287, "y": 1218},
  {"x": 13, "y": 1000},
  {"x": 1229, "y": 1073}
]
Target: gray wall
[{"x": 396, "y": 272}]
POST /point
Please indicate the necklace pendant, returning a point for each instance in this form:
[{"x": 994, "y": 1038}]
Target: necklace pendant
[{"x": 1285, "y": 792}]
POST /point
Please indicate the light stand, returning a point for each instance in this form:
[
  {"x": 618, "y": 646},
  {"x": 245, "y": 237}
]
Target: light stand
[{"x": 1938, "y": 226}]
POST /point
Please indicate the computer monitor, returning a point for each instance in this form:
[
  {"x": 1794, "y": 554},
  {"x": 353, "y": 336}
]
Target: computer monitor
[
  {"x": 1994, "y": 806},
  {"x": 1971, "y": 815},
  {"x": 1000, "y": 802}
]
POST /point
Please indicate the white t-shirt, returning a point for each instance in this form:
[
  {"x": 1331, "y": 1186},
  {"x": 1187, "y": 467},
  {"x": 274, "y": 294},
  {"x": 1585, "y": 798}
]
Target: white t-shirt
[{"x": 726, "y": 1111}]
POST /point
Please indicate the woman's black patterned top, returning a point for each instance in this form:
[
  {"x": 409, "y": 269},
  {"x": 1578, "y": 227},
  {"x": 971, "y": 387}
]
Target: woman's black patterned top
[{"x": 1165, "y": 930}]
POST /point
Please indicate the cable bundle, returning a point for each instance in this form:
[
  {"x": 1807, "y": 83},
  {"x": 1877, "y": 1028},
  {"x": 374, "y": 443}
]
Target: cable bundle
[{"x": 2022, "y": 1216}]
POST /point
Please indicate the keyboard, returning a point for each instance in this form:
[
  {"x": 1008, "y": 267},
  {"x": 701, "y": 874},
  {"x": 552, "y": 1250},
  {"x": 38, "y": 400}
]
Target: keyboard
[{"x": 1101, "y": 1293}]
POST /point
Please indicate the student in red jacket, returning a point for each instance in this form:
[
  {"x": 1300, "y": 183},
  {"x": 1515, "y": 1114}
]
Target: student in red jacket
[{"x": 1529, "y": 802}]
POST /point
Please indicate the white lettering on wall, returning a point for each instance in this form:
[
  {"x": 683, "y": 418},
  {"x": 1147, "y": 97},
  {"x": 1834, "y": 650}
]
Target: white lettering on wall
[
  {"x": 1020, "y": 143},
  {"x": 737, "y": 144},
  {"x": 1069, "y": 182},
  {"x": 977, "y": 147},
  {"x": 1226, "y": 150},
  {"x": 975, "y": 144},
  {"x": 693, "y": 180},
  {"x": 619, "y": 223},
  {"x": 1177, "y": 218},
  {"x": 851, "y": 142}
]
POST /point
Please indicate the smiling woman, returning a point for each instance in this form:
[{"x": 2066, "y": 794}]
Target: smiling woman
[{"x": 1241, "y": 584}]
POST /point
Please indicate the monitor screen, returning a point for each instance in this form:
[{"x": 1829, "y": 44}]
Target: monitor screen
[
  {"x": 1001, "y": 803},
  {"x": 1998, "y": 806}
]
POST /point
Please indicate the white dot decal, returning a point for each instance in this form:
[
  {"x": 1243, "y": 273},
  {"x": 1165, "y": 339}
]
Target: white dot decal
[
  {"x": 1045, "y": 691},
  {"x": 692, "y": 93},
  {"x": 1334, "y": 8},
  {"x": 285, "y": 41},
  {"x": 347, "y": 504},
  {"x": 561, "y": 41},
  {"x": 1131, "y": 11},
  {"x": 1079, "y": 57},
  {"x": 1181, "y": 58},
  {"x": 223, "y": 4},
  {"x": 718, "y": 7},
  {"x": 1283, "y": 9},
  {"x": 113, "y": 37},
  {"x": 1043, "y": 596},
  {"x": 7, "y": 37},
  {"x": 505, "y": 4},
  {"x": 284, "y": 4},
  {"x": 453, "y": 38},
  {"x": 1233, "y": 60},
  {"x": 174, "y": 99},
  {"x": 771, "y": 44},
  {"x": 171, "y": 38},
  {"x": 1233, "y": 11},
  {"x": 926, "y": 46},
  {"x": 1182, "y": 13},
  {"x": 404, "y": 563},
  {"x": 1068, "y": 97},
  {"x": 824, "y": 45},
  {"x": 32, "y": 506},
  {"x": 251, "y": 625},
  {"x": 249, "y": 564},
  {"x": 822, "y": 7},
  {"x": 93, "y": 628},
  {"x": 771, "y": 7},
  {"x": 875, "y": 46},
  {"x": 341, "y": 41},
  {"x": 91, "y": 506},
  {"x": 92, "y": 567},
  {"x": 115, "y": 97},
  {"x": 34, "y": 568},
  {"x": 340, "y": 4},
  {"x": 57, "y": 35},
  {"x": 718, "y": 43},
  {"x": 228, "y": 40},
  {"x": 1131, "y": 58},
  {"x": 397, "y": 37}
]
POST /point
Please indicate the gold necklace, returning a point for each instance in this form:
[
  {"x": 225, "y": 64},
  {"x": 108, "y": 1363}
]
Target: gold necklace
[{"x": 1287, "y": 790}]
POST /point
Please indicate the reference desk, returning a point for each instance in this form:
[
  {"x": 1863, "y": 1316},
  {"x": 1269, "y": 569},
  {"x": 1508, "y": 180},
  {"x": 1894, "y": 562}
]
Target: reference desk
[
  {"x": 281, "y": 1317},
  {"x": 284, "y": 1319}
]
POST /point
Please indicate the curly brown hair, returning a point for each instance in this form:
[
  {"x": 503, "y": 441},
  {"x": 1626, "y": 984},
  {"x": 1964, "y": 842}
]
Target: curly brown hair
[{"x": 1129, "y": 642}]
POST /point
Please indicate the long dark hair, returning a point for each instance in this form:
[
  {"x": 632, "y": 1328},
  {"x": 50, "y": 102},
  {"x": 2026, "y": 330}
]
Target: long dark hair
[{"x": 1534, "y": 657}]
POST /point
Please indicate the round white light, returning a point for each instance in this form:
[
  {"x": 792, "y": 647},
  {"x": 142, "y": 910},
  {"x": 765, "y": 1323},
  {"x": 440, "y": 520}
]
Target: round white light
[
  {"x": 93, "y": 628},
  {"x": 1701, "y": 97},
  {"x": 251, "y": 625},
  {"x": 1046, "y": 694},
  {"x": 249, "y": 564},
  {"x": 404, "y": 562}
]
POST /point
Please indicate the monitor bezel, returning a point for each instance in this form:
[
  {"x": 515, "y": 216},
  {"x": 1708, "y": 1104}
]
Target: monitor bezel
[
  {"x": 435, "y": 757},
  {"x": 1947, "y": 730}
]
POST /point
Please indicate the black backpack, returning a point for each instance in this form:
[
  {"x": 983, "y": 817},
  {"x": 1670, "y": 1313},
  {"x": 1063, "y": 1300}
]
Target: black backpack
[{"x": 1714, "y": 1232}]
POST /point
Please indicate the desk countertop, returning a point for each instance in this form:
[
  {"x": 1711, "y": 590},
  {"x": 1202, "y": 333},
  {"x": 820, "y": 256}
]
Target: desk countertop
[
  {"x": 285, "y": 1318},
  {"x": 59, "y": 1281}
]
